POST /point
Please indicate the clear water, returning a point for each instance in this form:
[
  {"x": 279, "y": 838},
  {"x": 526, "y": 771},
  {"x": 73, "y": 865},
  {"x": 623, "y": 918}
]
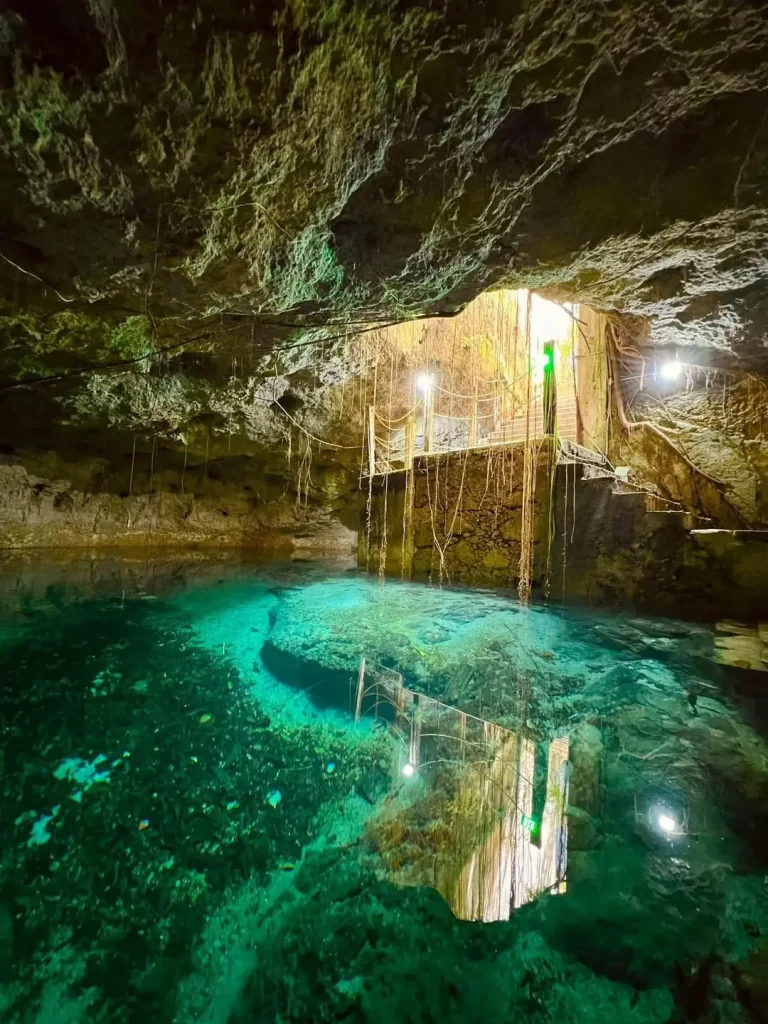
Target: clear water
[{"x": 193, "y": 827}]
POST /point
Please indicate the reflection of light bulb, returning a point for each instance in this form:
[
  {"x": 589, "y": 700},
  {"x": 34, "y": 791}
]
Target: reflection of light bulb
[
  {"x": 408, "y": 770},
  {"x": 672, "y": 370},
  {"x": 667, "y": 823},
  {"x": 424, "y": 383}
]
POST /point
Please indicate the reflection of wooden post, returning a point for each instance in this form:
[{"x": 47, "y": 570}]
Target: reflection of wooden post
[
  {"x": 399, "y": 698},
  {"x": 414, "y": 747},
  {"x": 371, "y": 440},
  {"x": 360, "y": 690},
  {"x": 473, "y": 425}
]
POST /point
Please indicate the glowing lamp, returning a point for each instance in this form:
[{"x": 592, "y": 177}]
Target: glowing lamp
[
  {"x": 408, "y": 770},
  {"x": 424, "y": 382},
  {"x": 666, "y": 823},
  {"x": 671, "y": 370}
]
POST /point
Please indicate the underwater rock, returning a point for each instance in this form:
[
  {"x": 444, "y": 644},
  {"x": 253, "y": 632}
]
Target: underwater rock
[
  {"x": 586, "y": 755},
  {"x": 40, "y": 834},
  {"x": 752, "y": 982},
  {"x": 329, "y": 687},
  {"x": 83, "y": 773},
  {"x": 326, "y": 952},
  {"x": 6, "y": 942},
  {"x": 584, "y": 831}
]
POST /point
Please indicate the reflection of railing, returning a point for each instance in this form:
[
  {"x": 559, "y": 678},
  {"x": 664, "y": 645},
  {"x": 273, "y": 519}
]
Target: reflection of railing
[{"x": 467, "y": 802}]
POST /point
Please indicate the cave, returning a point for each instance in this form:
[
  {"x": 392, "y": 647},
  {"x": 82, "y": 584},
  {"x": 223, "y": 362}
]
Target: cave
[{"x": 384, "y": 512}]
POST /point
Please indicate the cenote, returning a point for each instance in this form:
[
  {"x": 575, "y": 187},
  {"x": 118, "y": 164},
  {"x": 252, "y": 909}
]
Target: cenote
[
  {"x": 384, "y": 512},
  {"x": 567, "y": 823}
]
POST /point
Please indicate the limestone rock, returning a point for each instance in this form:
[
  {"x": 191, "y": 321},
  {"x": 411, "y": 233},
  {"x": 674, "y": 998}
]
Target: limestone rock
[{"x": 586, "y": 755}]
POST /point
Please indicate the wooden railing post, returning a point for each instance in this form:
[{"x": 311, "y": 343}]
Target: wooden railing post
[
  {"x": 429, "y": 418},
  {"x": 410, "y": 441}
]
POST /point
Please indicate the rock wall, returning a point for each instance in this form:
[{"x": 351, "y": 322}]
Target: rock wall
[
  {"x": 38, "y": 512},
  {"x": 270, "y": 158},
  {"x": 702, "y": 438},
  {"x": 612, "y": 549},
  {"x": 590, "y": 543},
  {"x": 473, "y": 513},
  {"x": 466, "y": 506}
]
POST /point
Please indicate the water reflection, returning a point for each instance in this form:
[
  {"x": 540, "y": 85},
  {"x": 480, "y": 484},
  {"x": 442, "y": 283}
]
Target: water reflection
[{"x": 475, "y": 810}]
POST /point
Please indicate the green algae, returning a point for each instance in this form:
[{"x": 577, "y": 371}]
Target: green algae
[{"x": 35, "y": 344}]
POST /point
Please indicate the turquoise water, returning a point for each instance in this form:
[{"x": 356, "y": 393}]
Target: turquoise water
[{"x": 193, "y": 826}]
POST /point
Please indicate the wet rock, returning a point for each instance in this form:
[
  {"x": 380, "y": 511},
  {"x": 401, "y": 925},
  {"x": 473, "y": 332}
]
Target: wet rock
[
  {"x": 584, "y": 831},
  {"x": 752, "y": 983},
  {"x": 6, "y": 942},
  {"x": 586, "y": 755}
]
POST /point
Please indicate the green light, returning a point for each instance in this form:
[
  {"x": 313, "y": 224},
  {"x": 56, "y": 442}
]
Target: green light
[
  {"x": 529, "y": 823},
  {"x": 544, "y": 362}
]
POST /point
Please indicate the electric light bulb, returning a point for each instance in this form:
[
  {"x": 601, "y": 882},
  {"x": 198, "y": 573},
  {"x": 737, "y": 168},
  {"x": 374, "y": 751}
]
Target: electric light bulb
[
  {"x": 408, "y": 770},
  {"x": 667, "y": 823},
  {"x": 671, "y": 370},
  {"x": 424, "y": 382}
]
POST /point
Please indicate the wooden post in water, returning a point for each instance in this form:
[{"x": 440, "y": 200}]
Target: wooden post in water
[
  {"x": 410, "y": 490},
  {"x": 414, "y": 746}
]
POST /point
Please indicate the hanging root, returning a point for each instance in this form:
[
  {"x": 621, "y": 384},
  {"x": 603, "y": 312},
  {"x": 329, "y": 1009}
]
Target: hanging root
[
  {"x": 304, "y": 478},
  {"x": 525, "y": 566}
]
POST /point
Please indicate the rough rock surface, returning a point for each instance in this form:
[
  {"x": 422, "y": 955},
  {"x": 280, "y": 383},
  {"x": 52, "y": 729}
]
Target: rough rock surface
[
  {"x": 40, "y": 513},
  {"x": 206, "y": 203},
  {"x": 293, "y": 157},
  {"x": 471, "y": 650}
]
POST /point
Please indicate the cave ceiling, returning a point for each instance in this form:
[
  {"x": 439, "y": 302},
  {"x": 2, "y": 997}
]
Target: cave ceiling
[{"x": 216, "y": 173}]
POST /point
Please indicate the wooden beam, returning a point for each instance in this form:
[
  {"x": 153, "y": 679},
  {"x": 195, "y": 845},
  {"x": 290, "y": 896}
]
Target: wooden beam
[{"x": 429, "y": 410}]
